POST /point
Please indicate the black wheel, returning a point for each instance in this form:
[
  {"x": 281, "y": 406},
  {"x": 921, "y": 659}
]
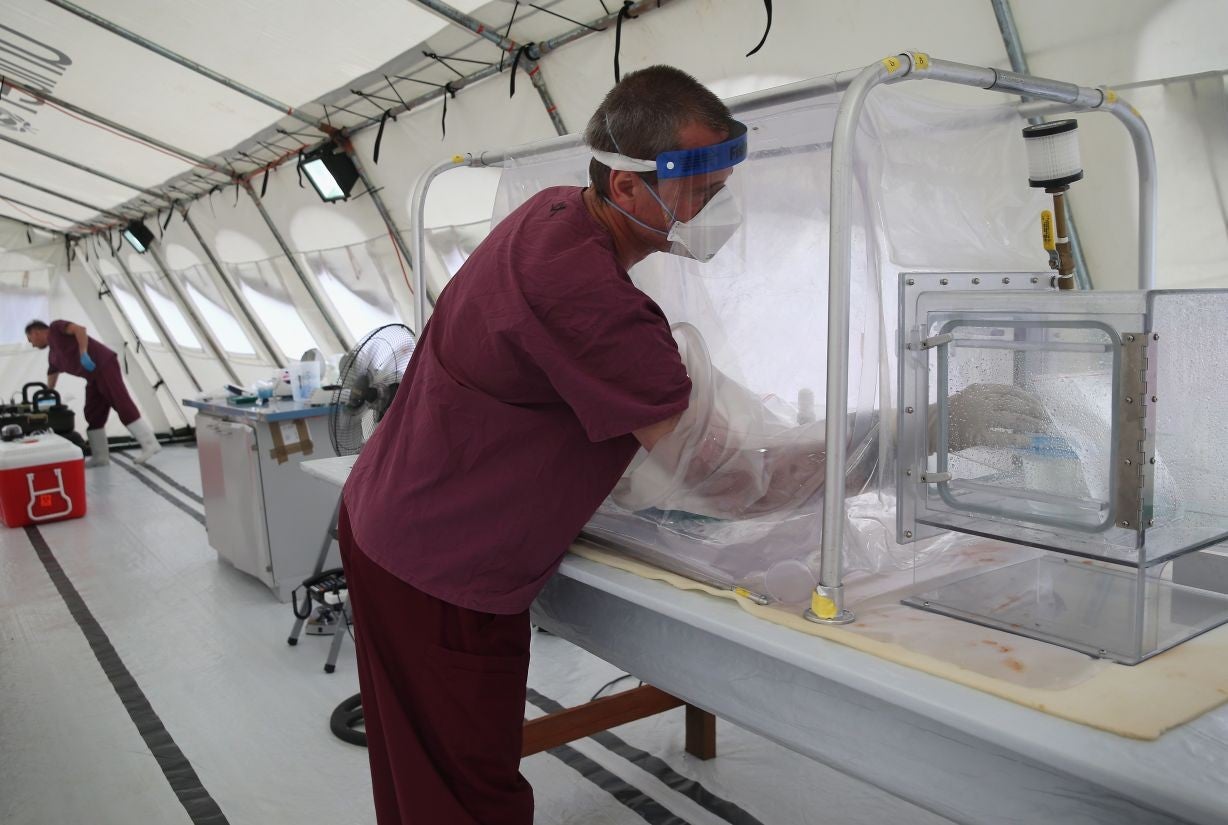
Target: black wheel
[
  {"x": 344, "y": 720},
  {"x": 292, "y": 641},
  {"x": 329, "y": 668}
]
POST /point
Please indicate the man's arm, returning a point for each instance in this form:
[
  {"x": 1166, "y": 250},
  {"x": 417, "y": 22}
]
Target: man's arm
[
  {"x": 52, "y": 377},
  {"x": 77, "y": 331},
  {"x": 650, "y": 435}
]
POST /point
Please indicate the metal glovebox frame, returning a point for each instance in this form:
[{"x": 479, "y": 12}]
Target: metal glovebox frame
[{"x": 1094, "y": 492}]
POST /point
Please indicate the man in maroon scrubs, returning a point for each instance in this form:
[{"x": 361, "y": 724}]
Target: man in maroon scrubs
[
  {"x": 541, "y": 373},
  {"x": 74, "y": 352}
]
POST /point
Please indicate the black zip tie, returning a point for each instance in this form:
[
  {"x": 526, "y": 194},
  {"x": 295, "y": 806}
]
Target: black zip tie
[
  {"x": 767, "y": 5},
  {"x": 379, "y": 136},
  {"x": 29, "y": 238},
  {"x": 443, "y": 123},
  {"x": 604, "y": 7},
  {"x": 326, "y": 118},
  {"x": 264, "y": 184},
  {"x": 170, "y": 213},
  {"x": 299, "y": 166},
  {"x": 448, "y": 65},
  {"x": 237, "y": 195},
  {"x": 161, "y": 383},
  {"x": 507, "y": 35},
  {"x": 516, "y": 62},
  {"x": 623, "y": 14},
  {"x": 392, "y": 86}
]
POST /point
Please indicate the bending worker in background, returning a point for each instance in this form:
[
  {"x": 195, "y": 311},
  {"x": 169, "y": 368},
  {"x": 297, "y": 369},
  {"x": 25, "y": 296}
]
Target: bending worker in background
[
  {"x": 541, "y": 374},
  {"x": 74, "y": 352}
]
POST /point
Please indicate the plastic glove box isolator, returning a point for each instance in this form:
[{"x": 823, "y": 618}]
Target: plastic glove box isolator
[{"x": 42, "y": 479}]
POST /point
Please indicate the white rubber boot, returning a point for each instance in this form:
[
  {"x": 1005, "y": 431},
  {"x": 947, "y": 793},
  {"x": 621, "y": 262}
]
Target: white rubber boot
[
  {"x": 144, "y": 436},
  {"x": 100, "y": 450}
]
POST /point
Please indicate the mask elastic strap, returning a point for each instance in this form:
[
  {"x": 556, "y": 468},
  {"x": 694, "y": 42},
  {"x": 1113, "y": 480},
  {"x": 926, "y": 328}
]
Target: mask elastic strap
[
  {"x": 668, "y": 212},
  {"x": 634, "y": 219}
]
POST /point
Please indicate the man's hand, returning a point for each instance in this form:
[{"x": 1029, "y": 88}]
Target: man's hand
[
  {"x": 980, "y": 413},
  {"x": 87, "y": 362}
]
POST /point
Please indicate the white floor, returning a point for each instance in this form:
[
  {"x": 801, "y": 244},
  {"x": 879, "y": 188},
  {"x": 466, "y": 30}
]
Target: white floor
[{"x": 206, "y": 645}]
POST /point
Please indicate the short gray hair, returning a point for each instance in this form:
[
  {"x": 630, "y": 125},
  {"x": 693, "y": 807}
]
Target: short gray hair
[{"x": 642, "y": 116}]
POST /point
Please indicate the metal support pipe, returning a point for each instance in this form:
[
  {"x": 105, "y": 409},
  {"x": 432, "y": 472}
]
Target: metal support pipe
[
  {"x": 1019, "y": 63},
  {"x": 321, "y": 304},
  {"x": 1148, "y": 200},
  {"x": 384, "y": 214},
  {"x": 271, "y": 351},
  {"x": 418, "y": 217},
  {"x": 192, "y": 65},
  {"x": 156, "y": 320},
  {"x": 56, "y": 215},
  {"x": 532, "y": 66},
  {"x": 183, "y": 154},
  {"x": 88, "y": 169},
  {"x": 189, "y": 311},
  {"x": 69, "y": 198},
  {"x": 827, "y": 602}
]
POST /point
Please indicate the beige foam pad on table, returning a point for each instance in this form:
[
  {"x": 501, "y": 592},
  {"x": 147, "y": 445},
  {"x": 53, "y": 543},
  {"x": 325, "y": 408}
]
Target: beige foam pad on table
[{"x": 1140, "y": 701}]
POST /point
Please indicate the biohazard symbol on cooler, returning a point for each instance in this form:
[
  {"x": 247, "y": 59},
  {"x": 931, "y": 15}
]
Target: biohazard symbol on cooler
[{"x": 49, "y": 502}]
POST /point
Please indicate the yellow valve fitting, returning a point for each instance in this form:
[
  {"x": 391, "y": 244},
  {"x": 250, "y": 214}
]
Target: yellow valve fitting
[{"x": 1047, "y": 233}]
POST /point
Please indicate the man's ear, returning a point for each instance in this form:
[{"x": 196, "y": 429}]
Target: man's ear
[{"x": 622, "y": 187}]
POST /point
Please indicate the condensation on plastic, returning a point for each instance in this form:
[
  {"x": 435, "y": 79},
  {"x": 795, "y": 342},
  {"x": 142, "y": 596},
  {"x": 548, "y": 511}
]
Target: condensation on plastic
[{"x": 938, "y": 187}]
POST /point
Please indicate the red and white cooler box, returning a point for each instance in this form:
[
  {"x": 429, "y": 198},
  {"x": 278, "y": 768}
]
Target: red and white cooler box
[{"x": 42, "y": 479}]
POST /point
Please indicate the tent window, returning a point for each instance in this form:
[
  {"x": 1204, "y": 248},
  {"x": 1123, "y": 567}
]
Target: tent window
[
  {"x": 136, "y": 314},
  {"x": 267, "y": 295},
  {"x": 23, "y": 298},
  {"x": 174, "y": 319},
  {"x": 355, "y": 280},
  {"x": 213, "y": 311}
]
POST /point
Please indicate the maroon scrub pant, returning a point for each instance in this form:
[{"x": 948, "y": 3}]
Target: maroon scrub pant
[
  {"x": 443, "y": 693},
  {"x": 105, "y": 391}
]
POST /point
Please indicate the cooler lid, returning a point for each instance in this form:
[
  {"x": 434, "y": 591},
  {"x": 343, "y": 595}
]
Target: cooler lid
[{"x": 35, "y": 450}]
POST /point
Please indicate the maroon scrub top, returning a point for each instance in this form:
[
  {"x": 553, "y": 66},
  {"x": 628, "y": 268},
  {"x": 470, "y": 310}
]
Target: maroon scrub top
[
  {"x": 63, "y": 354},
  {"x": 514, "y": 419}
]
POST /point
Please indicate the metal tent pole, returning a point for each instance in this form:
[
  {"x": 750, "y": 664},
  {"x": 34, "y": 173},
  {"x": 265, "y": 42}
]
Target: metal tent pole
[
  {"x": 533, "y": 67},
  {"x": 343, "y": 338},
  {"x": 1019, "y": 63},
  {"x": 270, "y": 350},
  {"x": 88, "y": 169},
  {"x": 189, "y": 310},
  {"x": 157, "y": 321}
]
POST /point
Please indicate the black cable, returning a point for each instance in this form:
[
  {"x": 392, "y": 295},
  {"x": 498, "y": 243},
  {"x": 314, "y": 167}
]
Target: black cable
[
  {"x": 610, "y": 684},
  {"x": 443, "y": 123},
  {"x": 379, "y": 136},
  {"x": 623, "y": 14},
  {"x": 767, "y": 4},
  {"x": 516, "y": 64}
]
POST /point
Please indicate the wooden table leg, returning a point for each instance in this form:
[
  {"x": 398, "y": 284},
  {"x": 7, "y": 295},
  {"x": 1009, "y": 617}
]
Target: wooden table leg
[
  {"x": 571, "y": 724},
  {"x": 700, "y": 733}
]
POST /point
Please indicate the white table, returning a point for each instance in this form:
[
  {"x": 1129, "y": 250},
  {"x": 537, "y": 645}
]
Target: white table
[{"x": 961, "y": 753}]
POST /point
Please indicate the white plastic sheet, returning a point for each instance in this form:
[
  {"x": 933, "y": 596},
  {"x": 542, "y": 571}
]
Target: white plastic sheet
[{"x": 938, "y": 187}]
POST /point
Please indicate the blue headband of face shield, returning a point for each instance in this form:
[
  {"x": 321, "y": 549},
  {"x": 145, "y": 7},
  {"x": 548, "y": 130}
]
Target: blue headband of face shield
[{"x": 683, "y": 163}]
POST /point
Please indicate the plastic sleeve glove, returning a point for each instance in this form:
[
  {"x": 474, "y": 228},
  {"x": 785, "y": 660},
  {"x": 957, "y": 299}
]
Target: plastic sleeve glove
[
  {"x": 87, "y": 362},
  {"x": 989, "y": 415},
  {"x": 729, "y": 456}
]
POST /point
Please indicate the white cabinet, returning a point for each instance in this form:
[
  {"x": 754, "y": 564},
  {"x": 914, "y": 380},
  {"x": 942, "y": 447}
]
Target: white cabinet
[{"x": 264, "y": 515}]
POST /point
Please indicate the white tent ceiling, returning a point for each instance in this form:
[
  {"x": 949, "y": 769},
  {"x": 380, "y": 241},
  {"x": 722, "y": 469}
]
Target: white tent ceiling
[{"x": 307, "y": 55}]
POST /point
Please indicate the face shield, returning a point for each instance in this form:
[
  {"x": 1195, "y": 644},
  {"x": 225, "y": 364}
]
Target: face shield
[{"x": 695, "y": 191}]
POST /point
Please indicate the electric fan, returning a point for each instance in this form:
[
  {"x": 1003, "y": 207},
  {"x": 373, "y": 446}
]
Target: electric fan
[{"x": 370, "y": 376}]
